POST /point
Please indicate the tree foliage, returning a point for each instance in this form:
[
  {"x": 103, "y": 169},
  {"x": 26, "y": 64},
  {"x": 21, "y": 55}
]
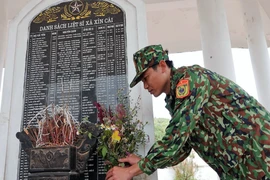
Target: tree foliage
[
  {"x": 160, "y": 125},
  {"x": 185, "y": 170}
]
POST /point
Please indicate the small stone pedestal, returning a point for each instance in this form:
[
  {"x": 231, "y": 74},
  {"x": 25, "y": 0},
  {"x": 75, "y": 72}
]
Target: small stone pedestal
[{"x": 53, "y": 163}]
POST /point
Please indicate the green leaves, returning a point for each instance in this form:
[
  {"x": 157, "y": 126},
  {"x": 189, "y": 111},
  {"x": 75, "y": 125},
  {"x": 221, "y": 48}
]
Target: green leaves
[
  {"x": 90, "y": 135},
  {"x": 85, "y": 118},
  {"x": 104, "y": 151}
]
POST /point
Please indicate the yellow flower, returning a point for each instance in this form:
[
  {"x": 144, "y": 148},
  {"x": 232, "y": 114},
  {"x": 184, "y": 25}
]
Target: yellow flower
[{"x": 115, "y": 136}]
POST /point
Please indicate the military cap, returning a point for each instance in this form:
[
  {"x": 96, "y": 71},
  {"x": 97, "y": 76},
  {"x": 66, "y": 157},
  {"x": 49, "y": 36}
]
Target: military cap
[{"x": 145, "y": 58}]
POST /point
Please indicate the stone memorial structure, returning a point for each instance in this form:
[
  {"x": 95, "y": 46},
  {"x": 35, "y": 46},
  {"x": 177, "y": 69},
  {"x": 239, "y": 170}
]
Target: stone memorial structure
[
  {"x": 76, "y": 56},
  {"x": 71, "y": 53}
]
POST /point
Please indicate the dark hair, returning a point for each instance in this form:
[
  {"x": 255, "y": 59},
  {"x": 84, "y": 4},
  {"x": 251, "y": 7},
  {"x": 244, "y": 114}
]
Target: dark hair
[{"x": 168, "y": 62}]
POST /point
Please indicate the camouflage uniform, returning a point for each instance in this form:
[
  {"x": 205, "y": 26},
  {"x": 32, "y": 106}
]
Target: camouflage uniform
[{"x": 226, "y": 126}]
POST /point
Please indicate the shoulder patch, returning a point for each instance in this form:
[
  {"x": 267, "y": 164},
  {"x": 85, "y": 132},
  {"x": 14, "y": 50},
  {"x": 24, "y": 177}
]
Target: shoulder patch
[{"x": 182, "y": 88}]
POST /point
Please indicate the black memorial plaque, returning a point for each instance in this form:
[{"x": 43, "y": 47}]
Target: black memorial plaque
[{"x": 76, "y": 56}]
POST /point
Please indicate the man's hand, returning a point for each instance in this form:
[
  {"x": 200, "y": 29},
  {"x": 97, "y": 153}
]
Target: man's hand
[
  {"x": 125, "y": 173},
  {"x": 119, "y": 173}
]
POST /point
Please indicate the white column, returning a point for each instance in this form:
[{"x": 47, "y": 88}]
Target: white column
[
  {"x": 216, "y": 44},
  {"x": 4, "y": 122},
  {"x": 258, "y": 50},
  {"x": 3, "y": 34}
]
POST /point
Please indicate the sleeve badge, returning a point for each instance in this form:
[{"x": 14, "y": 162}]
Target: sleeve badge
[{"x": 182, "y": 89}]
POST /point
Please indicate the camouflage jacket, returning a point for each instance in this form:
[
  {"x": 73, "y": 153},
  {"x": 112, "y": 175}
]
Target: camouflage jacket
[{"x": 226, "y": 126}]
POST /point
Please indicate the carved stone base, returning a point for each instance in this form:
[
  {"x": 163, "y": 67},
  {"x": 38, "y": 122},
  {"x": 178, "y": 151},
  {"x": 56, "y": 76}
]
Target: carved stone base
[
  {"x": 54, "y": 176},
  {"x": 52, "y": 159}
]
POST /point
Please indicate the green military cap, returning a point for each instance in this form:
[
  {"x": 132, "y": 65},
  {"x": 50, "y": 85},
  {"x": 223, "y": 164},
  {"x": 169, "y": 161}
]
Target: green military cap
[{"x": 145, "y": 58}]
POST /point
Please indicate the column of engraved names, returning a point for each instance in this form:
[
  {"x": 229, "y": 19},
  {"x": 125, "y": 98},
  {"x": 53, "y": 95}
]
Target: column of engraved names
[
  {"x": 120, "y": 55},
  {"x": 68, "y": 70},
  {"x": 35, "y": 86},
  {"x": 89, "y": 71},
  {"x": 53, "y": 59},
  {"x": 111, "y": 64},
  {"x": 101, "y": 64},
  {"x": 37, "y": 75},
  {"x": 102, "y": 91},
  {"x": 23, "y": 174},
  {"x": 89, "y": 74}
]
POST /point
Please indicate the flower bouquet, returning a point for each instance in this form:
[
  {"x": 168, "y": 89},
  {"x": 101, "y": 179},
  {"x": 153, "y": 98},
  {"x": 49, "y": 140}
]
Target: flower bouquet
[{"x": 121, "y": 132}]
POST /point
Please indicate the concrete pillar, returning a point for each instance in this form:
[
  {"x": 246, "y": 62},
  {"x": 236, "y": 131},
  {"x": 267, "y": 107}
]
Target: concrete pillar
[
  {"x": 3, "y": 35},
  {"x": 4, "y": 123},
  {"x": 216, "y": 44},
  {"x": 258, "y": 49}
]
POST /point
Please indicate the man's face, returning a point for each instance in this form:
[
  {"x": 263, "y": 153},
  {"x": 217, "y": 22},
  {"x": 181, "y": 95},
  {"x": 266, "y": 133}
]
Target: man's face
[{"x": 154, "y": 81}]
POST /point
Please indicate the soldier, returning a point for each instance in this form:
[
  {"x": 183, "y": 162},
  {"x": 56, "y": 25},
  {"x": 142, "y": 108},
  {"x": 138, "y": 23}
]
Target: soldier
[{"x": 226, "y": 126}]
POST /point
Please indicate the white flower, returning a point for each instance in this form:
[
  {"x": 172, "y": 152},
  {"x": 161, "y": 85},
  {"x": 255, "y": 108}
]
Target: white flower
[
  {"x": 122, "y": 130},
  {"x": 125, "y": 140},
  {"x": 113, "y": 127},
  {"x": 102, "y": 126}
]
